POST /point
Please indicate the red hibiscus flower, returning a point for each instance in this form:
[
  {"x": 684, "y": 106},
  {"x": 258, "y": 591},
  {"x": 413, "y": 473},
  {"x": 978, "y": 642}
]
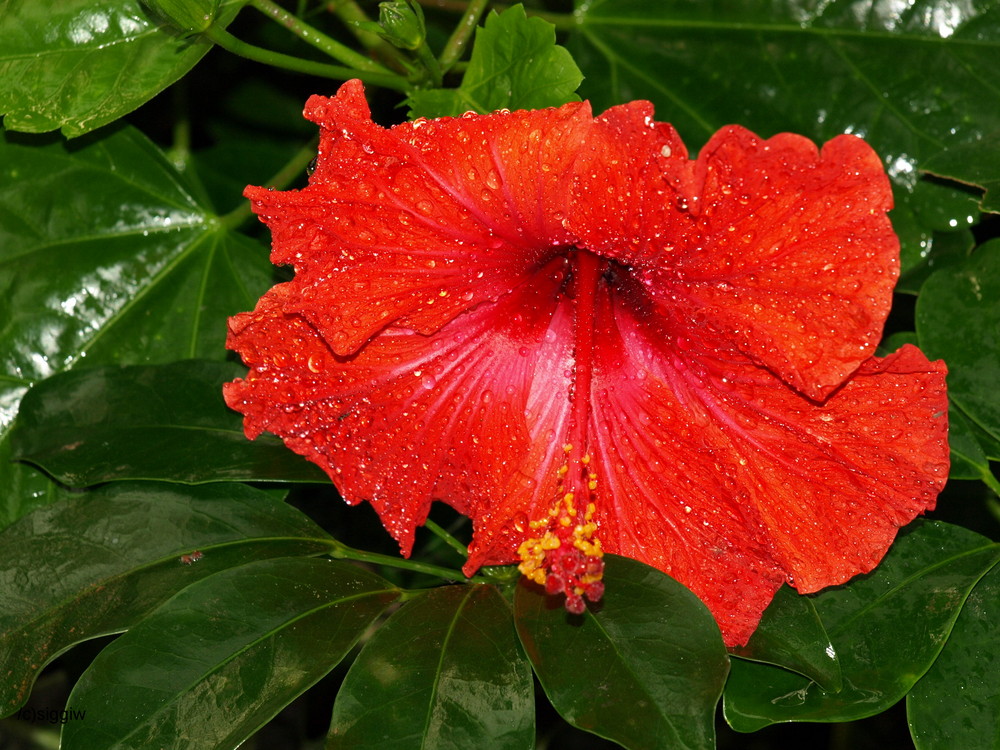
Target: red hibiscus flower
[{"x": 587, "y": 342}]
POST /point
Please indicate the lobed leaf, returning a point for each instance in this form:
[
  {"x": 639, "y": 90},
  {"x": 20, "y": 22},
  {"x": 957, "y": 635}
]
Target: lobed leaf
[
  {"x": 107, "y": 255},
  {"x": 515, "y": 64},
  {"x": 886, "y": 629},
  {"x": 445, "y": 671},
  {"x": 97, "y": 564},
  {"x": 217, "y": 661},
  {"x": 164, "y": 422},
  {"x": 644, "y": 667}
]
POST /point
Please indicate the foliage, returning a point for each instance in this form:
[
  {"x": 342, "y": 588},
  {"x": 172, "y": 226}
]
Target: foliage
[{"x": 132, "y": 503}]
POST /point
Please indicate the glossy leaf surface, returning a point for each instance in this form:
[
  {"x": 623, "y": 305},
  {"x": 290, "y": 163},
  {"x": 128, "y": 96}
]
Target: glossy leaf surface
[
  {"x": 164, "y": 422},
  {"x": 516, "y": 64},
  {"x": 791, "y": 635},
  {"x": 644, "y": 667},
  {"x": 77, "y": 65},
  {"x": 107, "y": 255},
  {"x": 218, "y": 660},
  {"x": 886, "y": 628},
  {"x": 958, "y": 320},
  {"x": 95, "y": 565},
  {"x": 955, "y": 703},
  {"x": 446, "y": 671},
  {"x": 976, "y": 163}
]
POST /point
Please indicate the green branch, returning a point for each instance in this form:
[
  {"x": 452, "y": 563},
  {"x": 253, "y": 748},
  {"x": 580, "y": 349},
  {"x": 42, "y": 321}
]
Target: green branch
[
  {"x": 446, "y": 538},
  {"x": 343, "y": 552},
  {"x": 281, "y": 179},
  {"x": 318, "y": 39},
  {"x": 276, "y": 59},
  {"x": 459, "y": 40}
]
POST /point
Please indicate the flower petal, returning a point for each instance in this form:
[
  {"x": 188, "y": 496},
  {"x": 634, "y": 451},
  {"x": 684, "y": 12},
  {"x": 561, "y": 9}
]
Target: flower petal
[
  {"x": 409, "y": 418},
  {"x": 732, "y": 482},
  {"x": 449, "y": 211},
  {"x": 796, "y": 259}
]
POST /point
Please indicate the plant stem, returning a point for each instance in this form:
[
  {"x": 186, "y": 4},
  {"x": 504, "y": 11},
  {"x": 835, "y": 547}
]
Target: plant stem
[
  {"x": 459, "y": 40},
  {"x": 446, "y": 538},
  {"x": 343, "y": 552},
  {"x": 562, "y": 21},
  {"x": 282, "y": 178},
  {"x": 350, "y": 13},
  {"x": 258, "y": 54},
  {"x": 318, "y": 39}
]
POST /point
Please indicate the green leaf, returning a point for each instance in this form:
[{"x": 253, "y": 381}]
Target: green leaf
[
  {"x": 955, "y": 704},
  {"x": 164, "y": 422},
  {"x": 976, "y": 163},
  {"x": 95, "y": 565},
  {"x": 515, "y": 64},
  {"x": 791, "y": 635},
  {"x": 644, "y": 667},
  {"x": 106, "y": 256},
  {"x": 968, "y": 461},
  {"x": 77, "y": 65},
  {"x": 886, "y": 628},
  {"x": 446, "y": 671},
  {"x": 222, "y": 657},
  {"x": 935, "y": 252},
  {"x": 958, "y": 320}
]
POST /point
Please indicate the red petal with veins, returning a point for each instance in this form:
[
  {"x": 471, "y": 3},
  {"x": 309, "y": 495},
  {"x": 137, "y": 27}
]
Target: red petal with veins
[
  {"x": 540, "y": 316},
  {"x": 448, "y": 211}
]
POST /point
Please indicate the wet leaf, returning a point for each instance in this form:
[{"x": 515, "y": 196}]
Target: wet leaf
[
  {"x": 516, "y": 64},
  {"x": 791, "y": 635},
  {"x": 644, "y": 667},
  {"x": 886, "y": 628},
  {"x": 106, "y": 256},
  {"x": 975, "y": 163},
  {"x": 217, "y": 661},
  {"x": 446, "y": 671},
  {"x": 958, "y": 320},
  {"x": 97, "y": 564},
  {"x": 77, "y": 65},
  {"x": 165, "y": 422},
  {"x": 955, "y": 704}
]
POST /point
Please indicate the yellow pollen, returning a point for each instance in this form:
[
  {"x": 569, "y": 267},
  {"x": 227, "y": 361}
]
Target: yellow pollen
[{"x": 564, "y": 554}]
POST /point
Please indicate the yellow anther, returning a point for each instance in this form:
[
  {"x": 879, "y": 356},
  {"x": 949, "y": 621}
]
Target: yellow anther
[
  {"x": 585, "y": 460},
  {"x": 568, "y": 447}
]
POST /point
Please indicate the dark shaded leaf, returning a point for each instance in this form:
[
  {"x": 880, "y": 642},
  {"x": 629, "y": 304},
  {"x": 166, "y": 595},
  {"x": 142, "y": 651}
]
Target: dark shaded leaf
[
  {"x": 955, "y": 704},
  {"x": 97, "y": 564},
  {"x": 217, "y": 661},
  {"x": 644, "y": 667},
  {"x": 975, "y": 163},
  {"x": 164, "y": 422},
  {"x": 958, "y": 320},
  {"x": 446, "y": 671},
  {"x": 886, "y": 628},
  {"x": 77, "y": 65}
]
